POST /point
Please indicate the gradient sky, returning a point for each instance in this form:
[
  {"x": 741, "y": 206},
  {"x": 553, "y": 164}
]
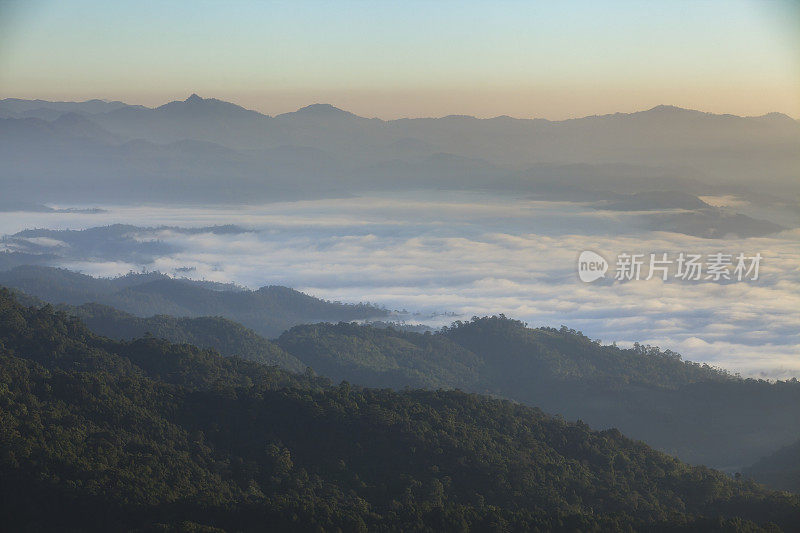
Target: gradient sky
[{"x": 392, "y": 59}]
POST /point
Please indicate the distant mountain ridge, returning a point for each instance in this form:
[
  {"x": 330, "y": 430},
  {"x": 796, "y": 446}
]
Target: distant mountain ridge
[
  {"x": 232, "y": 154},
  {"x": 95, "y": 106},
  {"x": 47, "y": 110}
]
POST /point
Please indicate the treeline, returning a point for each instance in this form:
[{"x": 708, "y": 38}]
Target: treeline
[
  {"x": 268, "y": 310},
  {"x": 105, "y": 435}
]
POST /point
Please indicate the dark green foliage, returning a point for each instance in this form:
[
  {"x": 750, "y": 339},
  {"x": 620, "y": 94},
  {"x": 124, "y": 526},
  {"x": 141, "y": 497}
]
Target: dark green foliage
[
  {"x": 216, "y": 333},
  {"x": 269, "y": 310},
  {"x": 698, "y": 413},
  {"x": 567, "y": 354},
  {"x": 702, "y": 414},
  {"x": 103, "y": 435},
  {"x": 382, "y": 357}
]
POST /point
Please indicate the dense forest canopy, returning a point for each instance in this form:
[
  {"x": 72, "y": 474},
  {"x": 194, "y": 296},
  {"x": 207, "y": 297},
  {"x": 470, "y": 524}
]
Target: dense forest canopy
[
  {"x": 702, "y": 414},
  {"x": 100, "y": 433},
  {"x": 217, "y": 333},
  {"x": 698, "y": 413}
]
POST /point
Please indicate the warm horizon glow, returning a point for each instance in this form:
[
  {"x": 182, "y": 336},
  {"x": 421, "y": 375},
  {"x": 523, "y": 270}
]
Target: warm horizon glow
[{"x": 391, "y": 60}]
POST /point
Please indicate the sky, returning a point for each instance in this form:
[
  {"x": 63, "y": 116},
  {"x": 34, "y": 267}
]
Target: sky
[{"x": 405, "y": 59}]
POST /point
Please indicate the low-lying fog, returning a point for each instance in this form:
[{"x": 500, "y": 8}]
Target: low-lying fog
[{"x": 466, "y": 254}]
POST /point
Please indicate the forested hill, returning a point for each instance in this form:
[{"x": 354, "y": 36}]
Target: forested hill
[
  {"x": 268, "y": 310},
  {"x": 570, "y": 355},
  {"x": 383, "y": 357},
  {"x": 780, "y": 470},
  {"x": 698, "y": 413},
  {"x": 220, "y": 334},
  {"x": 104, "y": 435},
  {"x": 701, "y": 414},
  {"x": 491, "y": 352}
]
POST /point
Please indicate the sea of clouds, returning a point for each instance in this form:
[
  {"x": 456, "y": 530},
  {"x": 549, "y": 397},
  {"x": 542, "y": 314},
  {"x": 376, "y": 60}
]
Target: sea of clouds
[{"x": 472, "y": 254}]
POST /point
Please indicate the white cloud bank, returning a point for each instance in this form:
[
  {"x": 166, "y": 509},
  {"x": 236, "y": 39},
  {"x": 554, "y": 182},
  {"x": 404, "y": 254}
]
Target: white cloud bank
[{"x": 474, "y": 255}]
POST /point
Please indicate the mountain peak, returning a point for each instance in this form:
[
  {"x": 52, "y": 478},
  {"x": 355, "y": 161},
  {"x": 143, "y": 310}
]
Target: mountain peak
[
  {"x": 323, "y": 110},
  {"x": 775, "y": 116},
  {"x": 196, "y": 105},
  {"x": 668, "y": 109}
]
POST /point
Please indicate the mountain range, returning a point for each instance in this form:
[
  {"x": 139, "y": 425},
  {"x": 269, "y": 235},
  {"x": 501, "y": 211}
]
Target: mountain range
[{"x": 86, "y": 151}]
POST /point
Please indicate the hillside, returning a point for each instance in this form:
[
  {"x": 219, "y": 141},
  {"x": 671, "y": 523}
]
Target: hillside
[
  {"x": 99, "y": 434},
  {"x": 780, "y": 470},
  {"x": 698, "y": 413},
  {"x": 268, "y": 310},
  {"x": 210, "y": 332},
  {"x": 382, "y": 357}
]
